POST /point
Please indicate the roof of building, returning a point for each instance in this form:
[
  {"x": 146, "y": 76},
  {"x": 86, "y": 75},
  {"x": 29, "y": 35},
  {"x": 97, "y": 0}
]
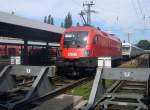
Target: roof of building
[
  {"x": 19, "y": 27},
  {"x": 21, "y": 42}
]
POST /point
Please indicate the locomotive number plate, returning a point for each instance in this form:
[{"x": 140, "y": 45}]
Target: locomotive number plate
[{"x": 72, "y": 54}]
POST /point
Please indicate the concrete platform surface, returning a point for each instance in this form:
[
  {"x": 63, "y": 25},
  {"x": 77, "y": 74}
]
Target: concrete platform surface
[
  {"x": 80, "y": 105},
  {"x": 62, "y": 102}
]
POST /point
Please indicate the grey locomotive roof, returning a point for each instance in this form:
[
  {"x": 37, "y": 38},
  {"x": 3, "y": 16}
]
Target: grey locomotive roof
[{"x": 16, "y": 20}]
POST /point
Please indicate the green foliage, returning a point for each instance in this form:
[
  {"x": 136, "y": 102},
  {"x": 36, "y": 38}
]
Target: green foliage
[
  {"x": 78, "y": 24},
  {"x": 109, "y": 83},
  {"x": 83, "y": 90},
  {"x": 13, "y": 13},
  {"x": 52, "y": 21},
  {"x": 45, "y": 19},
  {"x": 145, "y": 44},
  {"x": 49, "y": 20},
  {"x": 62, "y": 25},
  {"x": 68, "y": 21}
]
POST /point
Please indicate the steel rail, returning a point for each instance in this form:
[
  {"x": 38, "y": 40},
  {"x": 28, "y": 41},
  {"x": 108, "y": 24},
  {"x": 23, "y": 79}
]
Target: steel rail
[
  {"x": 37, "y": 101},
  {"x": 118, "y": 85},
  {"x": 112, "y": 89}
]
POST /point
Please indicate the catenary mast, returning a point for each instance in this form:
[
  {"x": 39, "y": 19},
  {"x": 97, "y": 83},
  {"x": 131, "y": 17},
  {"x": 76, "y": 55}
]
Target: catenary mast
[{"x": 87, "y": 11}]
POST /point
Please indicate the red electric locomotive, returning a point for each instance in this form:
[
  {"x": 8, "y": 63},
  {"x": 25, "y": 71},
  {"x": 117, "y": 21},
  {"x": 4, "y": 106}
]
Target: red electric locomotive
[{"x": 81, "y": 46}]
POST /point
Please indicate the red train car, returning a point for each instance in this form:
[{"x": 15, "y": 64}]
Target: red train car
[
  {"x": 81, "y": 46},
  {"x": 9, "y": 50},
  {"x": 44, "y": 56}
]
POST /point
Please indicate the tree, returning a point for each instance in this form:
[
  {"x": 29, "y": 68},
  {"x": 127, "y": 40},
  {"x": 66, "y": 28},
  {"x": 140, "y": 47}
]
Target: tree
[
  {"x": 52, "y": 21},
  {"x": 13, "y": 13},
  {"x": 45, "y": 19},
  {"x": 145, "y": 44},
  {"x": 62, "y": 25},
  {"x": 78, "y": 24},
  {"x": 68, "y": 21},
  {"x": 49, "y": 20}
]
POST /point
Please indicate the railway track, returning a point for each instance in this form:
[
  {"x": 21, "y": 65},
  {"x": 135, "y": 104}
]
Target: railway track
[
  {"x": 137, "y": 62},
  {"x": 62, "y": 89},
  {"x": 30, "y": 90},
  {"x": 129, "y": 92},
  {"x": 62, "y": 86},
  {"x": 121, "y": 94},
  {"x": 127, "y": 95}
]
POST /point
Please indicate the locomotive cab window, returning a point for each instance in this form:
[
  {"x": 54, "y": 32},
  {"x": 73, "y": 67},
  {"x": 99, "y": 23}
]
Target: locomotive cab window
[
  {"x": 75, "y": 39},
  {"x": 125, "y": 49}
]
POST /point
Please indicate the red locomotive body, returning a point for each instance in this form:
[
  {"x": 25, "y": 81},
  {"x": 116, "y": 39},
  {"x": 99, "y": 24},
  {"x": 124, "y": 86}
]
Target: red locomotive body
[
  {"x": 9, "y": 50},
  {"x": 45, "y": 56},
  {"x": 81, "y": 46},
  {"x": 88, "y": 42}
]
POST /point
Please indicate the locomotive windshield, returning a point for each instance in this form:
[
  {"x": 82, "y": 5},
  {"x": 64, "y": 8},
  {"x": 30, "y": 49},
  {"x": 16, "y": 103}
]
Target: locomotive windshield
[
  {"x": 125, "y": 49},
  {"x": 75, "y": 39}
]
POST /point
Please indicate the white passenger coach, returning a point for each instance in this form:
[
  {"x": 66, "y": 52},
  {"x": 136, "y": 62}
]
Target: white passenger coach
[{"x": 129, "y": 50}]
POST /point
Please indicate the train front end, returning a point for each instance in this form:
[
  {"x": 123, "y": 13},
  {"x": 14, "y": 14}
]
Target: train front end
[
  {"x": 126, "y": 50},
  {"x": 74, "y": 43},
  {"x": 75, "y": 49}
]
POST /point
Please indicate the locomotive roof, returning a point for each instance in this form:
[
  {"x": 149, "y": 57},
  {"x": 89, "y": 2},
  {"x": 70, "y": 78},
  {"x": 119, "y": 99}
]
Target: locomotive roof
[
  {"x": 80, "y": 28},
  {"x": 88, "y": 28},
  {"x": 113, "y": 37}
]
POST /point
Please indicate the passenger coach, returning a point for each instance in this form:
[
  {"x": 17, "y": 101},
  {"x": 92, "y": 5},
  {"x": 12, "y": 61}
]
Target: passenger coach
[{"x": 129, "y": 50}]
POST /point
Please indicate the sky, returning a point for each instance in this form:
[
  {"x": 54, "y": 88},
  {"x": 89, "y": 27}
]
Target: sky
[{"x": 120, "y": 17}]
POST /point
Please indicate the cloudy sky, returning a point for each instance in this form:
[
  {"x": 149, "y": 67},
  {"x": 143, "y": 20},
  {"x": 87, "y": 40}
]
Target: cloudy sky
[{"x": 114, "y": 16}]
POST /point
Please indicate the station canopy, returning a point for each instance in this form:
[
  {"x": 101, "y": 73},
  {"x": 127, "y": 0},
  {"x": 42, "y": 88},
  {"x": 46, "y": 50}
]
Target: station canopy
[{"x": 18, "y": 27}]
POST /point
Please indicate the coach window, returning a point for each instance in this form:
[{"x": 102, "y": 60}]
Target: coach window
[{"x": 95, "y": 41}]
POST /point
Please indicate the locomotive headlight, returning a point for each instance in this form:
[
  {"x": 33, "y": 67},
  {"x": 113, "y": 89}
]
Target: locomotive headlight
[
  {"x": 85, "y": 39},
  {"x": 86, "y": 53}
]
